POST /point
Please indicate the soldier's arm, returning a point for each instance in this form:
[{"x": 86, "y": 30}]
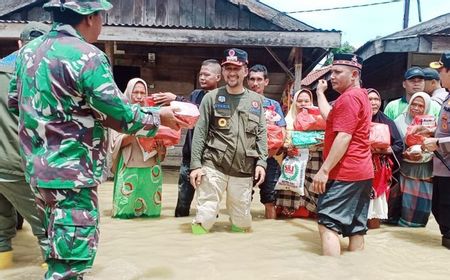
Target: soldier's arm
[
  {"x": 104, "y": 97},
  {"x": 200, "y": 133}
]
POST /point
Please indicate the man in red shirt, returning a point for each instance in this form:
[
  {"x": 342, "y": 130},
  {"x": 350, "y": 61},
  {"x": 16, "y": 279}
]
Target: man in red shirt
[{"x": 344, "y": 181}]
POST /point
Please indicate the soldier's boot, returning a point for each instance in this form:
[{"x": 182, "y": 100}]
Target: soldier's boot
[
  {"x": 6, "y": 259},
  {"x": 270, "y": 212}
]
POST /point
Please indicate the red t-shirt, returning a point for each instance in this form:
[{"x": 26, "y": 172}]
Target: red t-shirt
[{"x": 352, "y": 114}]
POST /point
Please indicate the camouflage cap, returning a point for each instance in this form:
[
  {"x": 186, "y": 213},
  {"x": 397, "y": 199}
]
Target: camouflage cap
[
  {"x": 33, "y": 30},
  {"x": 82, "y": 7}
]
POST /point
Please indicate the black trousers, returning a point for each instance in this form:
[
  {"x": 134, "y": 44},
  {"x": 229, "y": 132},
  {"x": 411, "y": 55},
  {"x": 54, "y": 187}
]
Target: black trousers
[{"x": 441, "y": 203}]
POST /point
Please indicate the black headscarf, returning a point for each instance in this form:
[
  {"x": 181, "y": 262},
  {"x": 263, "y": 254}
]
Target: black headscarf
[{"x": 396, "y": 139}]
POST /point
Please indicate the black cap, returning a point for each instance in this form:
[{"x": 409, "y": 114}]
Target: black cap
[
  {"x": 431, "y": 74},
  {"x": 348, "y": 59},
  {"x": 443, "y": 62},
  {"x": 235, "y": 56},
  {"x": 414, "y": 72}
]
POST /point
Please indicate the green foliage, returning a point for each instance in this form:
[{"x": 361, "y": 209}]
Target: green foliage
[{"x": 344, "y": 48}]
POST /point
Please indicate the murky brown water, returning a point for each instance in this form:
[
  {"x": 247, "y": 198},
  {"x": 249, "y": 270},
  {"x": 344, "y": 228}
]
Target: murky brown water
[{"x": 164, "y": 248}]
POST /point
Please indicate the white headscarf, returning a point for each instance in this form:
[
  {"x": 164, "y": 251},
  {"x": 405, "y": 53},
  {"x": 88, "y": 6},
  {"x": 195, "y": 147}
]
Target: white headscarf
[
  {"x": 404, "y": 120},
  {"x": 292, "y": 113},
  {"x": 131, "y": 84}
]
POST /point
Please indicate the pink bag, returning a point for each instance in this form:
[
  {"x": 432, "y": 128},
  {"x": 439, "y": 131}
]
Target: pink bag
[
  {"x": 168, "y": 136},
  {"x": 309, "y": 119},
  {"x": 380, "y": 136},
  {"x": 187, "y": 112},
  {"x": 417, "y": 139}
]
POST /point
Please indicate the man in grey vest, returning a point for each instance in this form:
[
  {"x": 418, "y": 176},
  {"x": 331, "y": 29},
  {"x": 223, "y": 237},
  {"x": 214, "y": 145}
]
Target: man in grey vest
[{"x": 229, "y": 148}]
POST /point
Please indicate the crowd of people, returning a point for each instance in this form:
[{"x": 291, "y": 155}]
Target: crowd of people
[{"x": 62, "y": 100}]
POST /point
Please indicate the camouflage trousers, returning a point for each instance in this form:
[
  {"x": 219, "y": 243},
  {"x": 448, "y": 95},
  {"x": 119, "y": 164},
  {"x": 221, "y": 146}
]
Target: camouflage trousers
[{"x": 71, "y": 221}]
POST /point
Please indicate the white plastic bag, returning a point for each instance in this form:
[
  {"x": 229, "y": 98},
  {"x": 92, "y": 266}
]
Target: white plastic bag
[{"x": 293, "y": 170}]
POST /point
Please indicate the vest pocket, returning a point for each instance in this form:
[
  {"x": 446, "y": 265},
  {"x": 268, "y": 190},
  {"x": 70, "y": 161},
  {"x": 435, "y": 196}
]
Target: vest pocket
[{"x": 215, "y": 151}]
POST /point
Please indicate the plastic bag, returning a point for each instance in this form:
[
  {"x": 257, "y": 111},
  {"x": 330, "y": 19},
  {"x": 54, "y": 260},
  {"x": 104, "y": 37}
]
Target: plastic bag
[
  {"x": 382, "y": 166},
  {"x": 309, "y": 119},
  {"x": 186, "y": 112},
  {"x": 271, "y": 115},
  {"x": 412, "y": 139},
  {"x": 380, "y": 136},
  {"x": 307, "y": 138},
  {"x": 274, "y": 138},
  {"x": 168, "y": 136},
  {"x": 293, "y": 170}
]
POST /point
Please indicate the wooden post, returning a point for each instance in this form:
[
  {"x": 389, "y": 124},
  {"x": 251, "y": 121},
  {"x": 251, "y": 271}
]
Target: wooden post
[
  {"x": 109, "y": 50},
  {"x": 298, "y": 68}
]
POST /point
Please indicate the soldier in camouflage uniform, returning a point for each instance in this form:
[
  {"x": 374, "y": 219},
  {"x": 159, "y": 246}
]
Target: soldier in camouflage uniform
[
  {"x": 65, "y": 97},
  {"x": 15, "y": 192}
]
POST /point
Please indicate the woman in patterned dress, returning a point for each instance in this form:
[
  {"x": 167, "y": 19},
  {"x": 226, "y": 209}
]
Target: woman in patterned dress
[{"x": 138, "y": 173}]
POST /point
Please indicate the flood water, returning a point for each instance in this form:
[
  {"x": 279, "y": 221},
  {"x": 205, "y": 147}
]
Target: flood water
[{"x": 164, "y": 248}]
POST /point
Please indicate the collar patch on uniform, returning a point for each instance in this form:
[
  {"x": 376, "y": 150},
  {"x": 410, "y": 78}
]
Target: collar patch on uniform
[{"x": 221, "y": 98}]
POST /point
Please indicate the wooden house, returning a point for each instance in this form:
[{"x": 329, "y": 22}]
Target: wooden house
[
  {"x": 165, "y": 41},
  {"x": 387, "y": 58}
]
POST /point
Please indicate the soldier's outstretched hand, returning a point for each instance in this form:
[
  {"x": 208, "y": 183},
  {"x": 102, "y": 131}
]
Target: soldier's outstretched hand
[{"x": 168, "y": 118}]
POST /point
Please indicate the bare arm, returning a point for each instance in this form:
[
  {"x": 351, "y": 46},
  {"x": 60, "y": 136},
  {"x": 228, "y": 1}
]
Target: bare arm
[
  {"x": 337, "y": 151},
  {"x": 322, "y": 101}
]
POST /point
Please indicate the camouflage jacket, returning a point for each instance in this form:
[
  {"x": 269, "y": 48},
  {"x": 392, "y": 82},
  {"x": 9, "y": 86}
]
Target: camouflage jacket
[{"x": 64, "y": 94}]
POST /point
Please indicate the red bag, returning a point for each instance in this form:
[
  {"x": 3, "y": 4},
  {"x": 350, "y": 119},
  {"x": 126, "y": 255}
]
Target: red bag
[
  {"x": 309, "y": 119},
  {"x": 149, "y": 101},
  {"x": 186, "y": 112},
  {"x": 168, "y": 136},
  {"x": 417, "y": 139},
  {"x": 425, "y": 120},
  {"x": 382, "y": 166},
  {"x": 274, "y": 138},
  {"x": 380, "y": 136}
]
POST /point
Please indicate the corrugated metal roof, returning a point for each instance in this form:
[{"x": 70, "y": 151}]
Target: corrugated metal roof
[{"x": 179, "y": 27}]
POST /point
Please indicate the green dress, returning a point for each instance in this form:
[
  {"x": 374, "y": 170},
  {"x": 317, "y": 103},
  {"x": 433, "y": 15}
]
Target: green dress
[{"x": 137, "y": 191}]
